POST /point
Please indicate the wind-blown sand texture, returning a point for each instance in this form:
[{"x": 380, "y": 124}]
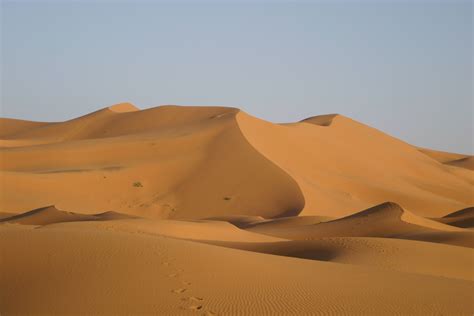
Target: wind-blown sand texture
[{"x": 210, "y": 211}]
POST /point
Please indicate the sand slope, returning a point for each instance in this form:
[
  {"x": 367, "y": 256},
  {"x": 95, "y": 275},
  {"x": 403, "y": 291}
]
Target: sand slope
[
  {"x": 452, "y": 159},
  {"x": 386, "y": 220},
  {"x": 343, "y": 166},
  {"x": 466, "y": 162},
  {"x": 463, "y": 218},
  {"x": 392, "y": 254},
  {"x": 50, "y": 215},
  {"x": 177, "y": 150},
  {"x": 163, "y": 162},
  {"x": 180, "y": 277},
  {"x": 209, "y": 211},
  {"x": 9, "y": 127}
]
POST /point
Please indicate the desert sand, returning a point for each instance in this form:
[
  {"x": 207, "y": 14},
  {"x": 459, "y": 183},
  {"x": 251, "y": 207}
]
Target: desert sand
[{"x": 181, "y": 210}]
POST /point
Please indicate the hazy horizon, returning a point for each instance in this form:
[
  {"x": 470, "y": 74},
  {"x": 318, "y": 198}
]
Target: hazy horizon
[{"x": 402, "y": 67}]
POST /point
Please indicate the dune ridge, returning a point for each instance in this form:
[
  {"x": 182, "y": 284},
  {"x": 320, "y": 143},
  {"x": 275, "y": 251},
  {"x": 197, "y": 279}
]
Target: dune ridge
[
  {"x": 50, "y": 215},
  {"x": 176, "y": 156},
  {"x": 163, "y": 280},
  {"x": 387, "y": 220},
  {"x": 184, "y": 210},
  {"x": 463, "y": 218},
  {"x": 379, "y": 168},
  {"x": 321, "y": 120},
  {"x": 452, "y": 159}
]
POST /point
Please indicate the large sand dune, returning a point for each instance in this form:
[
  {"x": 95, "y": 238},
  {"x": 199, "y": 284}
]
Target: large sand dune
[
  {"x": 345, "y": 166},
  {"x": 210, "y": 211}
]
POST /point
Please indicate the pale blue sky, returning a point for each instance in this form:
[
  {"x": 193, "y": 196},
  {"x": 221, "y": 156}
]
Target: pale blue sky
[{"x": 404, "y": 67}]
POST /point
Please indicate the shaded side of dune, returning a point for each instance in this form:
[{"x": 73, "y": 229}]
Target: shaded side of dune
[
  {"x": 117, "y": 273},
  {"x": 174, "y": 162},
  {"x": 452, "y": 159},
  {"x": 394, "y": 254},
  {"x": 321, "y": 120},
  {"x": 466, "y": 162},
  {"x": 235, "y": 178},
  {"x": 51, "y": 215},
  {"x": 386, "y": 220},
  {"x": 343, "y": 166},
  {"x": 463, "y": 218}
]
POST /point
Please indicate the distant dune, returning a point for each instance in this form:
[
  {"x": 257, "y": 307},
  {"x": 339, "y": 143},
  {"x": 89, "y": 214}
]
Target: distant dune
[
  {"x": 458, "y": 160},
  {"x": 211, "y": 211}
]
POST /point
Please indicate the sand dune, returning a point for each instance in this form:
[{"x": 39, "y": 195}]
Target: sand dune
[
  {"x": 185, "y": 145},
  {"x": 345, "y": 166},
  {"x": 466, "y": 162},
  {"x": 179, "y": 277},
  {"x": 463, "y": 218},
  {"x": 441, "y": 156},
  {"x": 10, "y": 127},
  {"x": 282, "y": 222},
  {"x": 384, "y": 253},
  {"x": 321, "y": 120},
  {"x": 50, "y": 215},
  {"x": 174, "y": 162},
  {"x": 210, "y": 211},
  {"x": 457, "y": 160},
  {"x": 386, "y": 220},
  {"x": 46, "y": 215},
  {"x": 5, "y": 215},
  {"x": 238, "y": 220}
]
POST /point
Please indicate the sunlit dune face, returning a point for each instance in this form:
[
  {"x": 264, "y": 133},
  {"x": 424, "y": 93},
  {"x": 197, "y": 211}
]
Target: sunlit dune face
[{"x": 179, "y": 210}]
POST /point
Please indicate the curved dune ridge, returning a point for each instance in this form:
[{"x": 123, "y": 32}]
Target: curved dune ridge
[
  {"x": 123, "y": 107},
  {"x": 463, "y": 218},
  {"x": 386, "y": 220},
  {"x": 50, "y": 215},
  {"x": 457, "y": 160},
  {"x": 13, "y": 126},
  {"x": 209, "y": 210},
  {"x": 348, "y": 166},
  {"x": 466, "y": 162},
  {"x": 177, "y": 162},
  {"x": 147, "y": 274},
  {"x": 383, "y": 253},
  {"x": 321, "y": 120}
]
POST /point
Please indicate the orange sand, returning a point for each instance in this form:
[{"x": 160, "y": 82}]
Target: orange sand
[{"x": 210, "y": 211}]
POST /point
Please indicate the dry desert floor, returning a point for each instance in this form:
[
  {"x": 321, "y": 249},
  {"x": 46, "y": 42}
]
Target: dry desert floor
[{"x": 209, "y": 211}]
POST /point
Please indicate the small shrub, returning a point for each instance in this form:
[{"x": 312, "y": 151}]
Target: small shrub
[
  {"x": 227, "y": 198},
  {"x": 137, "y": 184}
]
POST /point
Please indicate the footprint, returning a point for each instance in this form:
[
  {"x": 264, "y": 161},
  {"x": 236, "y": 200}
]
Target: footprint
[
  {"x": 177, "y": 291},
  {"x": 186, "y": 282},
  {"x": 193, "y": 298},
  {"x": 195, "y": 307}
]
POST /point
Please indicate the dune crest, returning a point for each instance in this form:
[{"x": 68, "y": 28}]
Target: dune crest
[
  {"x": 351, "y": 166},
  {"x": 387, "y": 220},
  {"x": 51, "y": 215},
  {"x": 165, "y": 162},
  {"x": 123, "y": 107},
  {"x": 463, "y": 218},
  {"x": 452, "y": 159},
  {"x": 178, "y": 210},
  {"x": 466, "y": 162},
  {"x": 321, "y": 120}
]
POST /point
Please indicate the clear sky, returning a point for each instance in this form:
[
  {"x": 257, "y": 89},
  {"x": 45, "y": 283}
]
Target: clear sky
[{"x": 404, "y": 67}]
